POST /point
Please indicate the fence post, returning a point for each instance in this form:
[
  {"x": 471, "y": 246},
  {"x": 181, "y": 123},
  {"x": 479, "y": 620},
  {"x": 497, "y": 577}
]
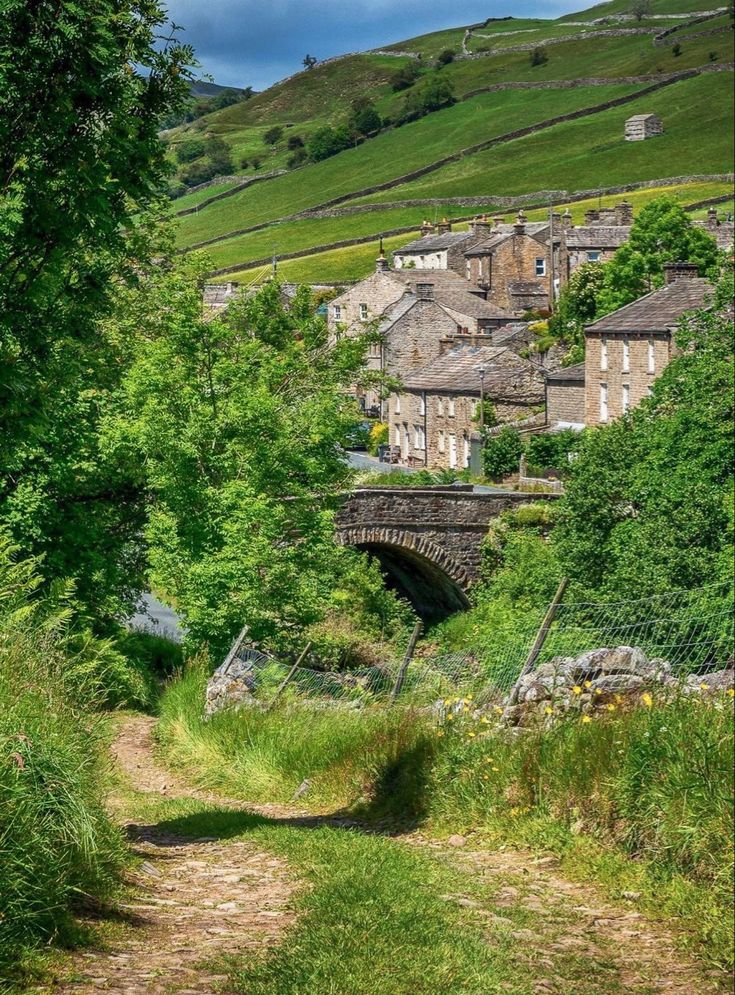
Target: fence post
[
  {"x": 401, "y": 676},
  {"x": 540, "y": 640},
  {"x": 234, "y": 649},
  {"x": 288, "y": 676}
]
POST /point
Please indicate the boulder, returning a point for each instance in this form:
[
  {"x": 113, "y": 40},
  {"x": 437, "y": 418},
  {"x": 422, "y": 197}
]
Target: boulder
[
  {"x": 231, "y": 686},
  {"x": 617, "y": 683},
  {"x": 621, "y": 660}
]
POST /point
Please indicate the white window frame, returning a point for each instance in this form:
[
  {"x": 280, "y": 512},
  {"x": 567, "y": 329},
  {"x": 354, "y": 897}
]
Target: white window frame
[
  {"x": 397, "y": 436},
  {"x": 422, "y": 404},
  {"x": 364, "y": 312},
  {"x": 651, "y": 356},
  {"x": 594, "y": 256},
  {"x": 452, "y": 451},
  {"x": 450, "y": 405},
  {"x": 603, "y": 354},
  {"x": 337, "y": 312},
  {"x": 419, "y": 440},
  {"x": 397, "y": 408},
  {"x": 626, "y": 355},
  {"x": 540, "y": 265},
  {"x": 626, "y": 398},
  {"x": 465, "y": 451},
  {"x": 440, "y": 406},
  {"x": 604, "y": 409}
]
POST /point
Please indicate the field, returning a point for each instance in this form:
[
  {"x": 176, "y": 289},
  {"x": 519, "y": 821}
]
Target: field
[{"x": 583, "y": 154}]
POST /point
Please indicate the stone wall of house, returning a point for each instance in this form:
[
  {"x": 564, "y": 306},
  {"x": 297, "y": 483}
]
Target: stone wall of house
[
  {"x": 379, "y": 291},
  {"x": 565, "y": 402},
  {"x": 512, "y": 262},
  {"x": 638, "y": 378},
  {"x": 415, "y": 340}
]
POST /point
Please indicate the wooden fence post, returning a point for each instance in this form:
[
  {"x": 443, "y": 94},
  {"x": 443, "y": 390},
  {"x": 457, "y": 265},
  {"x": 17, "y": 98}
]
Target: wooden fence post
[
  {"x": 401, "y": 676},
  {"x": 288, "y": 676},
  {"x": 540, "y": 640},
  {"x": 234, "y": 649}
]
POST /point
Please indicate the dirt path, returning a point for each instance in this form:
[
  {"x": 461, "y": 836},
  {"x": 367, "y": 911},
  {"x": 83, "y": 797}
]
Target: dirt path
[
  {"x": 199, "y": 899},
  {"x": 194, "y": 899}
]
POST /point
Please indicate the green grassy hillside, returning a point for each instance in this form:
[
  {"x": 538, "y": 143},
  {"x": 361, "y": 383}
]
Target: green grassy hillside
[{"x": 578, "y": 155}]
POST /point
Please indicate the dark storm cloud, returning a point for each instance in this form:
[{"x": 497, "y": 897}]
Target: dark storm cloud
[{"x": 256, "y": 42}]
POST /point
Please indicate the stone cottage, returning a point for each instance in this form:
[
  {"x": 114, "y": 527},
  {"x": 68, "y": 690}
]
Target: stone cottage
[
  {"x": 642, "y": 126},
  {"x": 596, "y": 241},
  {"x": 441, "y": 248},
  {"x": 625, "y": 351},
  {"x": 565, "y": 398},
  {"x": 433, "y": 416}
]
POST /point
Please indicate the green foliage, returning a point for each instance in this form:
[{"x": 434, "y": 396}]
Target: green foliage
[
  {"x": 365, "y": 120},
  {"x": 577, "y": 307},
  {"x": 294, "y": 142},
  {"x": 648, "y": 507},
  {"x": 662, "y": 233},
  {"x": 405, "y": 77},
  {"x": 55, "y": 840},
  {"x": 328, "y": 141},
  {"x": 445, "y": 57},
  {"x": 539, "y": 57},
  {"x": 76, "y": 207},
  {"x": 501, "y": 453},
  {"x": 433, "y": 94},
  {"x": 553, "y": 450},
  {"x": 273, "y": 135},
  {"x": 239, "y": 422},
  {"x": 379, "y": 436},
  {"x": 190, "y": 149}
]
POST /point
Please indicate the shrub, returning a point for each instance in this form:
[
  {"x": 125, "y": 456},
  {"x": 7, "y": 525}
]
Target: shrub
[
  {"x": 433, "y": 95},
  {"x": 676, "y": 49},
  {"x": 273, "y": 135},
  {"x": 244, "y": 162},
  {"x": 502, "y": 453},
  {"x": 365, "y": 119},
  {"x": 405, "y": 77},
  {"x": 327, "y": 142},
  {"x": 445, "y": 57},
  {"x": 378, "y": 437},
  {"x": 294, "y": 142},
  {"x": 539, "y": 57},
  {"x": 190, "y": 149},
  {"x": 297, "y": 158},
  {"x": 552, "y": 450}
]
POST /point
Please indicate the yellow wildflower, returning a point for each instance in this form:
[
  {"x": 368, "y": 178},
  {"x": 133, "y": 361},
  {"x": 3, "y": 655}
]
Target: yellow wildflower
[
  {"x": 498, "y": 710},
  {"x": 440, "y": 732},
  {"x": 611, "y": 707},
  {"x": 496, "y": 769},
  {"x": 704, "y": 686},
  {"x": 597, "y": 691},
  {"x": 731, "y": 692},
  {"x": 588, "y": 684},
  {"x": 586, "y": 719},
  {"x": 485, "y": 720},
  {"x": 619, "y": 699},
  {"x": 486, "y": 777},
  {"x": 548, "y": 710},
  {"x": 471, "y": 735},
  {"x": 450, "y": 717},
  {"x": 576, "y": 689},
  {"x": 646, "y": 699}
]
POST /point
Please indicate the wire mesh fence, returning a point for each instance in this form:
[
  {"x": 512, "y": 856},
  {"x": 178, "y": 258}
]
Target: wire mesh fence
[{"x": 691, "y": 630}]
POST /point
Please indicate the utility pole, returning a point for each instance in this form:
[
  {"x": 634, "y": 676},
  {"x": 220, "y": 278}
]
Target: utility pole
[{"x": 275, "y": 265}]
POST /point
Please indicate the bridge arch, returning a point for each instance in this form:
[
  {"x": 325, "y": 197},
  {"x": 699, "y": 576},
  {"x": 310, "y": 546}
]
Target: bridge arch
[{"x": 433, "y": 581}]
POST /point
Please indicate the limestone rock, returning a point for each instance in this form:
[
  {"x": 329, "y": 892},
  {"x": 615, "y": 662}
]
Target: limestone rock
[{"x": 232, "y": 687}]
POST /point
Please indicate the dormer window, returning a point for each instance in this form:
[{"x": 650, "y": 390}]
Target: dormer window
[{"x": 541, "y": 266}]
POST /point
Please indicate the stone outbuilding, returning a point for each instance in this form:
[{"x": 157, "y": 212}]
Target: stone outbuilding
[
  {"x": 433, "y": 417},
  {"x": 627, "y": 350},
  {"x": 642, "y": 126}
]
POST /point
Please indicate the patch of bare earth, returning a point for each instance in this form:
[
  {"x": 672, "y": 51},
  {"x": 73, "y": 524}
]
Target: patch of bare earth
[
  {"x": 194, "y": 900},
  {"x": 567, "y": 937}
]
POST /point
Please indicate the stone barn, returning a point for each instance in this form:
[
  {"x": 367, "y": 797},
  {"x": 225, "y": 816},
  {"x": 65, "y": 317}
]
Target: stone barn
[{"x": 642, "y": 126}]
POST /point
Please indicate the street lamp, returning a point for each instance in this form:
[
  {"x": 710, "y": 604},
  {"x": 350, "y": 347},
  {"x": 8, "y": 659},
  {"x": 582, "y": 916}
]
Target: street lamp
[{"x": 481, "y": 371}]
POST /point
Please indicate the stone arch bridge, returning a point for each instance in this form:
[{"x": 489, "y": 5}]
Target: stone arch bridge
[{"x": 428, "y": 540}]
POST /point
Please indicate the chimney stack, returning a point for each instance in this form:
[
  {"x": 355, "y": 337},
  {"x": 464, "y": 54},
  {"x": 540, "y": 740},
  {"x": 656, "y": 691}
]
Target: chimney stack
[
  {"x": 591, "y": 217},
  {"x": 680, "y": 271},
  {"x": 444, "y": 226},
  {"x": 498, "y": 221},
  {"x": 519, "y": 227},
  {"x": 425, "y": 291},
  {"x": 608, "y": 216},
  {"x": 426, "y": 229},
  {"x": 480, "y": 226},
  {"x": 566, "y": 220},
  {"x": 624, "y": 213},
  {"x": 712, "y": 219}
]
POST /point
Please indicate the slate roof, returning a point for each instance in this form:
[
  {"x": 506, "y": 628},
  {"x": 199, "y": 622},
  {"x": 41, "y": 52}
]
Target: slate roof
[
  {"x": 575, "y": 373},
  {"x": 456, "y": 372},
  {"x": 658, "y": 311},
  {"x": 435, "y": 243},
  {"x": 538, "y": 230},
  {"x": 512, "y": 332},
  {"x": 470, "y": 304},
  {"x": 598, "y": 236}
]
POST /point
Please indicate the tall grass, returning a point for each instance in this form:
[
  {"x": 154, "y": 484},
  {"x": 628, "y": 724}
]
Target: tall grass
[
  {"x": 637, "y": 799},
  {"x": 57, "y": 845}
]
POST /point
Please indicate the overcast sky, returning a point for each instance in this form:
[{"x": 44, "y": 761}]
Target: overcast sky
[{"x": 257, "y": 42}]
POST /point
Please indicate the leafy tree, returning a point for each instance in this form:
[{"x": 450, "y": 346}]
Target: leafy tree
[
  {"x": 326, "y": 142},
  {"x": 663, "y": 232},
  {"x": 273, "y": 135},
  {"x": 445, "y": 57},
  {"x": 309, "y": 61},
  {"x": 82, "y": 175},
  {"x": 502, "y": 452},
  {"x": 432, "y": 95},
  {"x": 676, "y": 49},
  {"x": 294, "y": 142},
  {"x": 640, "y": 9},
  {"x": 190, "y": 149},
  {"x": 577, "y": 307},
  {"x": 239, "y": 422},
  {"x": 539, "y": 56},
  {"x": 405, "y": 77},
  {"x": 297, "y": 158},
  {"x": 649, "y": 504},
  {"x": 365, "y": 119},
  {"x": 553, "y": 450}
]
